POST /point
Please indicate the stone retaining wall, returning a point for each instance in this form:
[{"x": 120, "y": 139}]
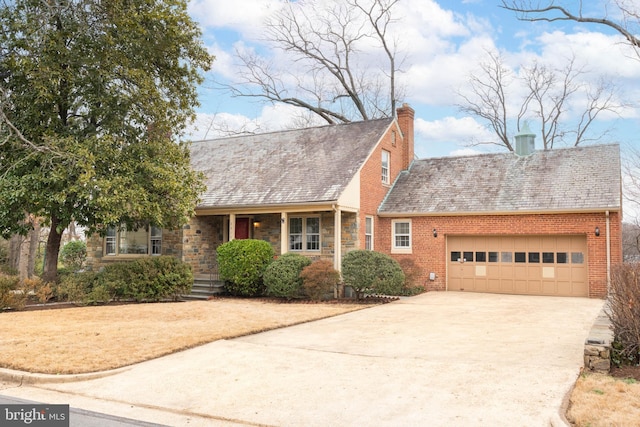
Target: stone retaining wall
[{"x": 597, "y": 348}]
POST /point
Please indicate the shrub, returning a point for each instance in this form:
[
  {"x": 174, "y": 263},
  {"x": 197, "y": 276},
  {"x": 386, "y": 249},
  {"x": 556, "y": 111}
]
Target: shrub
[
  {"x": 74, "y": 254},
  {"x": 624, "y": 313},
  {"x": 148, "y": 279},
  {"x": 11, "y": 295},
  {"x": 411, "y": 273},
  {"x": 282, "y": 276},
  {"x": 372, "y": 273},
  {"x": 319, "y": 279},
  {"x": 36, "y": 288},
  {"x": 84, "y": 288},
  {"x": 145, "y": 279},
  {"x": 242, "y": 264}
]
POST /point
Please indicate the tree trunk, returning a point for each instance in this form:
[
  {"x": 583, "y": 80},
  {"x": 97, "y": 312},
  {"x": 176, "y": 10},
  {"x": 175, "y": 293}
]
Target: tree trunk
[
  {"x": 34, "y": 243},
  {"x": 50, "y": 273},
  {"x": 23, "y": 262},
  {"x": 14, "y": 250}
]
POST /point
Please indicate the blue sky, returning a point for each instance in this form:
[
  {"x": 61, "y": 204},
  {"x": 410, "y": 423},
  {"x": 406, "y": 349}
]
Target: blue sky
[{"x": 444, "y": 42}]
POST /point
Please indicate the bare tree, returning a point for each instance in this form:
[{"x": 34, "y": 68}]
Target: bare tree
[
  {"x": 329, "y": 69},
  {"x": 624, "y": 17},
  {"x": 504, "y": 99}
]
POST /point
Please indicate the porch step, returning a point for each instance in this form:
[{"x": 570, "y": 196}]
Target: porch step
[{"x": 203, "y": 288}]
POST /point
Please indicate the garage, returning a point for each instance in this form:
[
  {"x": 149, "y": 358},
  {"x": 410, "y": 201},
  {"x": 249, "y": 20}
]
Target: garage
[{"x": 524, "y": 265}]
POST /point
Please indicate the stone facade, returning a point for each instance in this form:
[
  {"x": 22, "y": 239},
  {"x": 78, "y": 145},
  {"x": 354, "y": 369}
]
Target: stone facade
[{"x": 196, "y": 242}]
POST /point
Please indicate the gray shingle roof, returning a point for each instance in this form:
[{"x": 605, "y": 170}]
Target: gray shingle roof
[
  {"x": 581, "y": 178},
  {"x": 288, "y": 167}
]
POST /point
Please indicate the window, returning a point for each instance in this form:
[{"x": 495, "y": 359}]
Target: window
[
  {"x": 521, "y": 257},
  {"x": 481, "y": 257},
  {"x": 401, "y": 235},
  {"x": 456, "y": 256},
  {"x": 561, "y": 258},
  {"x": 548, "y": 257},
  {"x": 493, "y": 256},
  {"x": 385, "y": 166},
  {"x": 143, "y": 241},
  {"x": 506, "y": 256},
  {"x": 304, "y": 234},
  {"x": 110, "y": 241},
  {"x": 534, "y": 257},
  {"x": 368, "y": 233},
  {"x": 577, "y": 257},
  {"x": 467, "y": 256}
]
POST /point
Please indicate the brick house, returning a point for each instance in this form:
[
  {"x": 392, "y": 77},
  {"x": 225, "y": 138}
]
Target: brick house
[{"x": 538, "y": 223}]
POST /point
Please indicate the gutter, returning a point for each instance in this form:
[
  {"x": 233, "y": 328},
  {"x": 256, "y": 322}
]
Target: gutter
[{"x": 608, "y": 231}]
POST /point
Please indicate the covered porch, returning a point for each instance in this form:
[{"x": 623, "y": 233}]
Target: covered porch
[{"x": 309, "y": 231}]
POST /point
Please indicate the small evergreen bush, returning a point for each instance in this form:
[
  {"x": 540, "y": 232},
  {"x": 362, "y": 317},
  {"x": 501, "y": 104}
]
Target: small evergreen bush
[
  {"x": 74, "y": 254},
  {"x": 282, "y": 276},
  {"x": 84, "y": 288},
  {"x": 370, "y": 272},
  {"x": 242, "y": 264},
  {"x": 319, "y": 279},
  {"x": 145, "y": 279}
]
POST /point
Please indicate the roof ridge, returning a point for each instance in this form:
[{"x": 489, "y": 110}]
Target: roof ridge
[{"x": 282, "y": 131}]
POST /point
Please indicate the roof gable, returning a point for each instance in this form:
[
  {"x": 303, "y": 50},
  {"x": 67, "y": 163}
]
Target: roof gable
[
  {"x": 288, "y": 167},
  {"x": 572, "y": 179}
]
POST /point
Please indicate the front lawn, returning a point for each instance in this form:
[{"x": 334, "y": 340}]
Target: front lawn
[{"x": 90, "y": 339}]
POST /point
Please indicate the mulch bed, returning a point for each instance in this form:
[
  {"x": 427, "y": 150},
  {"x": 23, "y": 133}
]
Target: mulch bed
[
  {"x": 368, "y": 300},
  {"x": 626, "y": 372}
]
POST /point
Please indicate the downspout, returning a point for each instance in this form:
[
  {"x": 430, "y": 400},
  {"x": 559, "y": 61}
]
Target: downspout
[
  {"x": 337, "y": 243},
  {"x": 608, "y": 230}
]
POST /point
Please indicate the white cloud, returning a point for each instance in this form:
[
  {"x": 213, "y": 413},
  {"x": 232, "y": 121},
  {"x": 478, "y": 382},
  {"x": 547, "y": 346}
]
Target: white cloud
[
  {"x": 437, "y": 137},
  {"x": 245, "y": 17}
]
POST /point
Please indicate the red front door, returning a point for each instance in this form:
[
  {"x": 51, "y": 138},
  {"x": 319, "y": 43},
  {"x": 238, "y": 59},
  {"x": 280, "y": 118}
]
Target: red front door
[{"x": 242, "y": 228}]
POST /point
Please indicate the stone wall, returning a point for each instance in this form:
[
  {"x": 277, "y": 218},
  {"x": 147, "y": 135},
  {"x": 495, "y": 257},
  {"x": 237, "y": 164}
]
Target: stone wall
[{"x": 597, "y": 348}]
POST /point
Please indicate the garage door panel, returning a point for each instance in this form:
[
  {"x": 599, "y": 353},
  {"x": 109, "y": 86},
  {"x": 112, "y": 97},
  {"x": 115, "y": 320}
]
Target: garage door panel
[
  {"x": 549, "y": 288},
  {"x": 539, "y": 265}
]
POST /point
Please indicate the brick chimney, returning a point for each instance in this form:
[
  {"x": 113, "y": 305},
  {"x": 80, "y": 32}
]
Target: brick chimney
[{"x": 405, "y": 115}]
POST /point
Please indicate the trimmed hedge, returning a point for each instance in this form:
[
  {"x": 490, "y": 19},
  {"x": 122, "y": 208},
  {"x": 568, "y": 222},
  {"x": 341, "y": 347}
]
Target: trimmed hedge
[
  {"x": 145, "y": 279},
  {"x": 370, "y": 272},
  {"x": 282, "y": 276},
  {"x": 242, "y": 264}
]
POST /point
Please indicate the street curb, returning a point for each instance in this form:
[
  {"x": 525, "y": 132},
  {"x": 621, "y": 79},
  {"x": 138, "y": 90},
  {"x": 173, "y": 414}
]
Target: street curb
[{"x": 36, "y": 378}]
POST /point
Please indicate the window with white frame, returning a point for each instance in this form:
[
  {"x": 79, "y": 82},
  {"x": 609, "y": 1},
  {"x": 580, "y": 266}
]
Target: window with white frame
[
  {"x": 143, "y": 241},
  {"x": 304, "y": 233},
  {"x": 385, "y": 166},
  {"x": 368, "y": 233},
  {"x": 401, "y": 235}
]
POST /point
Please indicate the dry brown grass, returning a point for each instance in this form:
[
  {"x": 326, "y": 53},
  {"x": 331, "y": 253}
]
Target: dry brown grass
[
  {"x": 600, "y": 400},
  {"x": 90, "y": 339}
]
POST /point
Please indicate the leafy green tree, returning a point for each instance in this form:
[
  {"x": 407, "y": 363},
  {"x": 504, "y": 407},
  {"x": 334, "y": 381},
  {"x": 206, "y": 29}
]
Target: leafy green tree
[{"x": 95, "y": 94}]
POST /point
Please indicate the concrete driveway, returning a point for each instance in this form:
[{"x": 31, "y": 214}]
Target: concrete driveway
[{"x": 438, "y": 359}]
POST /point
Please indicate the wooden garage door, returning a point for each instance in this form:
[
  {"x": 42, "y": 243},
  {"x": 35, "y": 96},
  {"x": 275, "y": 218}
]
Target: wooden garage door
[{"x": 531, "y": 265}]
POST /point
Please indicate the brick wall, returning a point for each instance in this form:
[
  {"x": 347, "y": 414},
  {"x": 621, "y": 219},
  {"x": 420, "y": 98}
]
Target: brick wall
[
  {"x": 430, "y": 253},
  {"x": 372, "y": 190}
]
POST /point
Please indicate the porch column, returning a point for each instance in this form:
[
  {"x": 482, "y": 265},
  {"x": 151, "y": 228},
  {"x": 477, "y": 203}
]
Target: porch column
[
  {"x": 337, "y": 238},
  {"x": 232, "y": 227},
  {"x": 284, "y": 238}
]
